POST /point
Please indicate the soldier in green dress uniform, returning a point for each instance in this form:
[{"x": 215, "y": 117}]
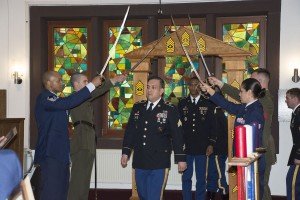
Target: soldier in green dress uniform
[{"x": 83, "y": 146}]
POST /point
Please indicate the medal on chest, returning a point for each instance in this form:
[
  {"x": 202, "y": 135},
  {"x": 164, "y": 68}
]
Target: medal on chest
[{"x": 162, "y": 117}]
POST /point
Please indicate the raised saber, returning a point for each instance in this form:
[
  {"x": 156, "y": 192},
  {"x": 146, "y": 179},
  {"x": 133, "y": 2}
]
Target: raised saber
[
  {"x": 146, "y": 55},
  {"x": 185, "y": 51},
  {"x": 114, "y": 46},
  {"x": 199, "y": 50}
]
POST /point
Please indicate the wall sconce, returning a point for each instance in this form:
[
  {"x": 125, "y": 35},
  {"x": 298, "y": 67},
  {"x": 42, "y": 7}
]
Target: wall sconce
[
  {"x": 296, "y": 77},
  {"x": 17, "y": 78}
]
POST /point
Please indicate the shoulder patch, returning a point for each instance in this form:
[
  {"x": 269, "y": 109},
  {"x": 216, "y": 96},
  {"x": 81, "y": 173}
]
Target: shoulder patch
[{"x": 52, "y": 98}]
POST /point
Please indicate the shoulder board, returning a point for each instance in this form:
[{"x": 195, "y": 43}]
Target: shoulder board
[
  {"x": 297, "y": 110},
  {"x": 169, "y": 103},
  {"x": 143, "y": 101},
  {"x": 52, "y": 98}
]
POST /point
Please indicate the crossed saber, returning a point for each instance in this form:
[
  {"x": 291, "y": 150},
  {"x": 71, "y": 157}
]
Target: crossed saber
[{"x": 146, "y": 55}]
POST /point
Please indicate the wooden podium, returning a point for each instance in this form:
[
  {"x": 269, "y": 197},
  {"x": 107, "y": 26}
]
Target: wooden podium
[{"x": 6, "y": 124}]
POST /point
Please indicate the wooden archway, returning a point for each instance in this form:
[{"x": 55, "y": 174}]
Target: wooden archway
[{"x": 233, "y": 58}]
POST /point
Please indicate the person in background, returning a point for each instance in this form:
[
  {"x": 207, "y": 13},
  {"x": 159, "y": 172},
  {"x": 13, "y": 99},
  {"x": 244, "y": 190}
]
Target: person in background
[
  {"x": 263, "y": 77},
  {"x": 216, "y": 184},
  {"x": 83, "y": 145},
  {"x": 249, "y": 112},
  {"x": 293, "y": 176},
  {"x": 198, "y": 122}
]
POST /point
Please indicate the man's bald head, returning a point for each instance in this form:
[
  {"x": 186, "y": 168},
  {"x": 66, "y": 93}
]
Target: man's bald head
[
  {"x": 52, "y": 81},
  {"x": 47, "y": 76}
]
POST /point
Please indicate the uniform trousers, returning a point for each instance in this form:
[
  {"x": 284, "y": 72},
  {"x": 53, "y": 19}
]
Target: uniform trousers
[
  {"x": 151, "y": 183},
  {"x": 293, "y": 183},
  {"x": 54, "y": 179},
  {"x": 216, "y": 179},
  {"x": 200, "y": 169},
  {"x": 82, "y": 164},
  {"x": 267, "y": 191},
  {"x": 261, "y": 171}
]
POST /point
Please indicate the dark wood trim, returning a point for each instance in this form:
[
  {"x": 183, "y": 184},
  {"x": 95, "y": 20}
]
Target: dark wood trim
[
  {"x": 125, "y": 194},
  {"x": 3, "y": 103},
  {"x": 40, "y": 15},
  {"x": 272, "y": 64}
]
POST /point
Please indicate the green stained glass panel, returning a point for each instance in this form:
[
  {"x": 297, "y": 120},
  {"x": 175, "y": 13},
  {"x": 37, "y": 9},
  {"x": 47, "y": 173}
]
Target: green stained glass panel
[
  {"x": 70, "y": 53},
  {"x": 177, "y": 71},
  {"x": 120, "y": 100},
  {"x": 247, "y": 37}
]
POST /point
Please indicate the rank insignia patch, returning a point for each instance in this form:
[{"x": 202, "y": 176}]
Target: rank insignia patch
[{"x": 139, "y": 88}]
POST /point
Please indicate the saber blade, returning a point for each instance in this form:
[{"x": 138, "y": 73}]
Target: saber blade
[
  {"x": 185, "y": 51},
  {"x": 116, "y": 41},
  {"x": 199, "y": 50}
]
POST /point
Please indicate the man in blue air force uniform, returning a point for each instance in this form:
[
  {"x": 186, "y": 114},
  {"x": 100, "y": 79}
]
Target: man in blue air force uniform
[
  {"x": 293, "y": 175},
  {"x": 52, "y": 151},
  {"x": 153, "y": 129}
]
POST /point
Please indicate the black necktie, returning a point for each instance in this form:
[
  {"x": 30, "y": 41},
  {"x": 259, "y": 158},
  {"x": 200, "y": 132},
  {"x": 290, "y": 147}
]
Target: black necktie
[
  {"x": 150, "y": 107},
  {"x": 194, "y": 101}
]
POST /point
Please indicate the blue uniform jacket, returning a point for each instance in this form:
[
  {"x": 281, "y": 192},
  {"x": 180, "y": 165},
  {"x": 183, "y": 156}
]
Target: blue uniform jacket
[
  {"x": 52, "y": 122},
  {"x": 253, "y": 113}
]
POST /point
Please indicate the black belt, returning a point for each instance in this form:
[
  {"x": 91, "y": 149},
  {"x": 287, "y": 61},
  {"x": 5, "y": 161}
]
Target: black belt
[{"x": 84, "y": 122}]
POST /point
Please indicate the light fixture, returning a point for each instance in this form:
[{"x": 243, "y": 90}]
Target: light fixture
[
  {"x": 296, "y": 77},
  {"x": 160, "y": 11},
  {"x": 17, "y": 78}
]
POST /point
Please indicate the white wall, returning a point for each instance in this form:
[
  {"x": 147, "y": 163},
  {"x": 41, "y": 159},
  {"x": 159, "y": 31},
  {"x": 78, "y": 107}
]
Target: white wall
[
  {"x": 14, "y": 53},
  {"x": 289, "y": 59}
]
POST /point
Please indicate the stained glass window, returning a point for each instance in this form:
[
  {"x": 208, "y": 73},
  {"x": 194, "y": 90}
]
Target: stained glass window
[
  {"x": 121, "y": 97},
  {"x": 69, "y": 53},
  {"x": 247, "y": 37},
  {"x": 177, "y": 71}
]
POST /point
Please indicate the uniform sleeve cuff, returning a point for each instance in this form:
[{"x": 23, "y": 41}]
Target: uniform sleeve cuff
[
  {"x": 126, "y": 151},
  {"x": 90, "y": 87},
  {"x": 212, "y": 142},
  {"x": 180, "y": 158}
]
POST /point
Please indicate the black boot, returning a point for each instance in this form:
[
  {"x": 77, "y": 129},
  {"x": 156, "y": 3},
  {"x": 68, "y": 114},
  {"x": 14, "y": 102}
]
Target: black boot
[
  {"x": 208, "y": 195},
  {"x": 225, "y": 196}
]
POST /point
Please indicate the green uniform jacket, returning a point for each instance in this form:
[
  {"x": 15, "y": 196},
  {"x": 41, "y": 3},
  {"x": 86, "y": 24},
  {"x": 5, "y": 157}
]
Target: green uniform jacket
[
  {"x": 268, "y": 106},
  {"x": 84, "y": 135}
]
